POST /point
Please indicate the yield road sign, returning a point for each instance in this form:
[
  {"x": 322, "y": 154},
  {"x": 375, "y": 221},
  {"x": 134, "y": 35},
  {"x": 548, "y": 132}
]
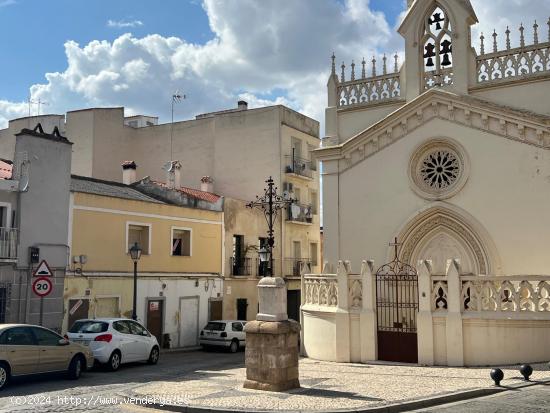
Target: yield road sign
[
  {"x": 42, "y": 286},
  {"x": 43, "y": 270}
]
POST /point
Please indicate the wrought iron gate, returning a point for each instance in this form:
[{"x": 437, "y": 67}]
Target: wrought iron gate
[{"x": 396, "y": 308}]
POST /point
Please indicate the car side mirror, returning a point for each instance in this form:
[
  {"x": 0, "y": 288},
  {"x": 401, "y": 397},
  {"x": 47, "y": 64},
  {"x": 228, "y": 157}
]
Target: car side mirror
[{"x": 63, "y": 342}]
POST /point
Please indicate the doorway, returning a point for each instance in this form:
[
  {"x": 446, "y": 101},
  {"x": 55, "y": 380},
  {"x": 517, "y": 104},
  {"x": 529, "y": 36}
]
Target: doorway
[
  {"x": 189, "y": 322},
  {"x": 215, "y": 310},
  {"x": 155, "y": 311},
  {"x": 293, "y": 304},
  {"x": 78, "y": 309},
  {"x": 242, "y": 307}
]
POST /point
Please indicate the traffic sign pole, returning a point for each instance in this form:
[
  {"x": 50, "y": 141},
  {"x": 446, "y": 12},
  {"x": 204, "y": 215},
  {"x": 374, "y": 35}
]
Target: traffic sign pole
[{"x": 41, "y": 311}]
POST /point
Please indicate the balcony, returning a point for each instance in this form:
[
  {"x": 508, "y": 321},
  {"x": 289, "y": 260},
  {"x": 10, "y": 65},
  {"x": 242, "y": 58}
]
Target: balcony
[
  {"x": 294, "y": 265},
  {"x": 299, "y": 166},
  {"x": 243, "y": 267},
  {"x": 8, "y": 244},
  {"x": 300, "y": 213}
]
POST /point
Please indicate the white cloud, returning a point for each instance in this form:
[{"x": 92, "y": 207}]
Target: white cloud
[
  {"x": 260, "y": 48},
  {"x": 123, "y": 24}
]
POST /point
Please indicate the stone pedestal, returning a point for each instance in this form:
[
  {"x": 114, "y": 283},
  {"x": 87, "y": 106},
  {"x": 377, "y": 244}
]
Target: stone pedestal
[{"x": 271, "y": 356}]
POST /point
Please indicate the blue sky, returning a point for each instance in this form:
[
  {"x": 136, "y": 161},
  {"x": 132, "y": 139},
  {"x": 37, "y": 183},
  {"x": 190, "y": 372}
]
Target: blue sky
[
  {"x": 33, "y": 32},
  {"x": 66, "y": 53}
]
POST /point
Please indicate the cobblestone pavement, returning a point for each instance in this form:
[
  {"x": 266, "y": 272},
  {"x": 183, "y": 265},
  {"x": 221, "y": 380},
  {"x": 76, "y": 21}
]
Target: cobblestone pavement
[
  {"x": 103, "y": 391},
  {"x": 331, "y": 386},
  {"x": 534, "y": 399},
  {"x": 214, "y": 379}
]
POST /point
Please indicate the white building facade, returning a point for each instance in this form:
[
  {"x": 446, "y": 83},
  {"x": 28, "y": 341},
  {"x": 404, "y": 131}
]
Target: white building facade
[{"x": 450, "y": 156}]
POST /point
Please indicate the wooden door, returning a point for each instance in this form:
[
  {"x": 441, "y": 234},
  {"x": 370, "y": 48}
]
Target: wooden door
[
  {"x": 215, "y": 312},
  {"x": 78, "y": 310},
  {"x": 155, "y": 310}
]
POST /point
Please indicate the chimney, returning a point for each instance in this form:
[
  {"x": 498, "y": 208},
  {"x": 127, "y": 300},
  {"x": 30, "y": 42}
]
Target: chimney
[
  {"x": 173, "y": 179},
  {"x": 242, "y": 105},
  {"x": 207, "y": 184},
  {"x": 129, "y": 172}
]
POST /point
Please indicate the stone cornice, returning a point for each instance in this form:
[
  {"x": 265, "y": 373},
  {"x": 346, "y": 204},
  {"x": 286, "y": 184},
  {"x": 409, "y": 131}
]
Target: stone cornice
[{"x": 510, "y": 123}]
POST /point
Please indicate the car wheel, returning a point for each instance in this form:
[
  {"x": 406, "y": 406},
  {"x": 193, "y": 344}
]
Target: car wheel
[
  {"x": 4, "y": 375},
  {"x": 75, "y": 368},
  {"x": 154, "y": 356},
  {"x": 234, "y": 346},
  {"x": 114, "y": 361}
]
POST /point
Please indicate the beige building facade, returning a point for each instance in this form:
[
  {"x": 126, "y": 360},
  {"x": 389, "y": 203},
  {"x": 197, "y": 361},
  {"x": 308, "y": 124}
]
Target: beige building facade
[
  {"x": 235, "y": 150},
  {"x": 447, "y": 156}
]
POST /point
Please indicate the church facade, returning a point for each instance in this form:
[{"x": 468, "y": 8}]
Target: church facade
[{"x": 446, "y": 158}]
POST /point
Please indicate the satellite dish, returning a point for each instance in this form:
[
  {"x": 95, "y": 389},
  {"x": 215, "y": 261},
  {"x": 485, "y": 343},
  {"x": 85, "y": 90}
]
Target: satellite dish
[
  {"x": 24, "y": 177},
  {"x": 168, "y": 166}
]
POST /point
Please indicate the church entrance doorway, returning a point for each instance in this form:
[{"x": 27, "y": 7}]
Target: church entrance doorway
[{"x": 396, "y": 309}]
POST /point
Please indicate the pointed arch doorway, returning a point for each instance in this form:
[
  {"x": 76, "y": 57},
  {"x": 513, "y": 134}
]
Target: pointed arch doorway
[{"x": 396, "y": 311}]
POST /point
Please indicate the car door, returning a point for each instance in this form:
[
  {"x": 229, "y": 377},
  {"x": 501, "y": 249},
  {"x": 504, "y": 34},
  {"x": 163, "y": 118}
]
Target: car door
[
  {"x": 21, "y": 350},
  {"x": 143, "y": 340},
  {"x": 127, "y": 340},
  {"x": 52, "y": 356},
  {"x": 237, "y": 331}
]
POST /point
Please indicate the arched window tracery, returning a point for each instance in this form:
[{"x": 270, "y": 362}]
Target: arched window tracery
[{"x": 437, "y": 49}]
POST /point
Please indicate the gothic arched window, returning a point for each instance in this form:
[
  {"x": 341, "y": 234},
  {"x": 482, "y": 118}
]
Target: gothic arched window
[{"x": 437, "y": 49}]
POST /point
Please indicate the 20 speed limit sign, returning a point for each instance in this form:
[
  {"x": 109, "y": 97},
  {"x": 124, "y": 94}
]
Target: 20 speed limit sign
[{"x": 42, "y": 286}]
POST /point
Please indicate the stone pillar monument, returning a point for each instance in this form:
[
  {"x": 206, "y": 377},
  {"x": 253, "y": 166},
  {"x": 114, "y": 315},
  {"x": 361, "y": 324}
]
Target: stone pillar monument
[{"x": 271, "y": 356}]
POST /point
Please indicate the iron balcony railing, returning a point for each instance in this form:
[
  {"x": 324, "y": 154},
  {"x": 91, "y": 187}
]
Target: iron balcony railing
[
  {"x": 241, "y": 266},
  {"x": 293, "y": 266},
  {"x": 300, "y": 213},
  {"x": 248, "y": 267},
  {"x": 300, "y": 166},
  {"x": 8, "y": 243}
]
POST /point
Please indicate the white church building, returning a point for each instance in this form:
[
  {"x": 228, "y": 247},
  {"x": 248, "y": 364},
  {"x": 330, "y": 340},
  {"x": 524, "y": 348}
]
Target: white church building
[{"x": 441, "y": 168}]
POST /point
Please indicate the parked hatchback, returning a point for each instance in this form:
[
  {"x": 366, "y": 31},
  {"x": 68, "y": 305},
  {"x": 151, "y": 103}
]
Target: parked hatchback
[
  {"x": 28, "y": 349},
  {"x": 114, "y": 341},
  {"x": 225, "y": 333}
]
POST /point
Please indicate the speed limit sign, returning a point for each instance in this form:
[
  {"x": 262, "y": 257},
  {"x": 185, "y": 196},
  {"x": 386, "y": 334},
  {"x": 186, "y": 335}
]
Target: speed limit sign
[{"x": 42, "y": 286}]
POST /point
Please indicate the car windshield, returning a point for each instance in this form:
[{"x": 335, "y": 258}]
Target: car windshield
[
  {"x": 89, "y": 327},
  {"x": 213, "y": 326}
]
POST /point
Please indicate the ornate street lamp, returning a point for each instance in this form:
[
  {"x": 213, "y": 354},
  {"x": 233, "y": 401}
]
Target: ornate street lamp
[
  {"x": 270, "y": 204},
  {"x": 135, "y": 254}
]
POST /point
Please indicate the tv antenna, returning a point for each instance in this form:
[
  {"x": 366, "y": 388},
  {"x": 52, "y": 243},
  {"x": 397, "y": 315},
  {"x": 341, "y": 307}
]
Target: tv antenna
[{"x": 177, "y": 97}]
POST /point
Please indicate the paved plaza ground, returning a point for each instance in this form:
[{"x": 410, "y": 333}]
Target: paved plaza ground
[
  {"x": 332, "y": 386},
  {"x": 214, "y": 380}
]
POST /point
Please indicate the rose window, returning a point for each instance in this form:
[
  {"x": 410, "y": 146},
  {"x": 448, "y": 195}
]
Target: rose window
[{"x": 440, "y": 169}]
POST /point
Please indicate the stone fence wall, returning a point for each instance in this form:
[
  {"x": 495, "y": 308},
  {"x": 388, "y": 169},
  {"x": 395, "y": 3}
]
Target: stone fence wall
[{"x": 462, "y": 320}]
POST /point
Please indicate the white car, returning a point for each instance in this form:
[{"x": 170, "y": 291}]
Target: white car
[
  {"x": 226, "y": 333},
  {"x": 114, "y": 341}
]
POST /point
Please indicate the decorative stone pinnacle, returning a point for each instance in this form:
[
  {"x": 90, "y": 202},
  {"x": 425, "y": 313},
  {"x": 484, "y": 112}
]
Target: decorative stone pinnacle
[
  {"x": 508, "y": 45},
  {"x": 385, "y": 66},
  {"x": 495, "y": 45},
  {"x": 363, "y": 70},
  {"x": 373, "y": 66},
  {"x": 521, "y": 36},
  {"x": 536, "y": 33},
  {"x": 352, "y": 70},
  {"x": 343, "y": 76},
  {"x": 482, "y": 38},
  {"x": 333, "y": 57},
  {"x": 396, "y": 67}
]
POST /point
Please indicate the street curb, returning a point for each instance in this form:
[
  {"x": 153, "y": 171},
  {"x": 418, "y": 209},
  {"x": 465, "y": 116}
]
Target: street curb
[{"x": 390, "y": 408}]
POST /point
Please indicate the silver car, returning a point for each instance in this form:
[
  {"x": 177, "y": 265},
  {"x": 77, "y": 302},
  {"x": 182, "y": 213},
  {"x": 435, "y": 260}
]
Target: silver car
[{"x": 28, "y": 349}]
